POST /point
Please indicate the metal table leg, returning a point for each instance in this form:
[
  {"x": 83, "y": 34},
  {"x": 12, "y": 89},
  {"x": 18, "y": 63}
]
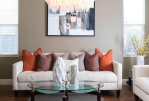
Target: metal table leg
[
  {"x": 66, "y": 93},
  {"x": 99, "y": 98},
  {"x": 65, "y": 97},
  {"x": 98, "y": 93},
  {"x": 32, "y": 95}
]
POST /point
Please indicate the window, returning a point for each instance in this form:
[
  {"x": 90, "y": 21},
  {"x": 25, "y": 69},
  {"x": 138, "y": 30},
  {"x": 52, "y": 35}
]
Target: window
[
  {"x": 134, "y": 22},
  {"x": 8, "y": 27}
]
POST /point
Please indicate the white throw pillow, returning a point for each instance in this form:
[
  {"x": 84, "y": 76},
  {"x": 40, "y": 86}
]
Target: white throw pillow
[{"x": 69, "y": 63}]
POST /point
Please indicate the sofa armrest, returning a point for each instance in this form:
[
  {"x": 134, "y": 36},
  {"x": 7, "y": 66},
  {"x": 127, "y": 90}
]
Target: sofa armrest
[
  {"x": 118, "y": 71},
  {"x": 16, "y": 69}
]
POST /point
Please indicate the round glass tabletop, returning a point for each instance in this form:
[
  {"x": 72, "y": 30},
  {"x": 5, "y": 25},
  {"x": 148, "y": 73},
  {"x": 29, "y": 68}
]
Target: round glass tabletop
[{"x": 52, "y": 87}]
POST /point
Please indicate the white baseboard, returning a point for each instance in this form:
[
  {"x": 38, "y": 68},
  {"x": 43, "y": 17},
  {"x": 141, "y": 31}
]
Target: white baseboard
[
  {"x": 9, "y": 81},
  {"x": 5, "y": 81}
]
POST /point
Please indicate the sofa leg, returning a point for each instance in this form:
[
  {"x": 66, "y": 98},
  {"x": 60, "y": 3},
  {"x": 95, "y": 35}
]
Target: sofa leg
[
  {"x": 118, "y": 93},
  {"x": 136, "y": 97},
  {"x": 16, "y": 93}
]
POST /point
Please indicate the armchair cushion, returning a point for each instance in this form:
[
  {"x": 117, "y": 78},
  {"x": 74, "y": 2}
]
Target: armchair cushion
[{"x": 143, "y": 84}]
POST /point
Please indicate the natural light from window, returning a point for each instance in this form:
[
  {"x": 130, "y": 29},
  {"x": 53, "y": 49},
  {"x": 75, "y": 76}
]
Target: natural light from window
[
  {"x": 134, "y": 22},
  {"x": 8, "y": 27}
]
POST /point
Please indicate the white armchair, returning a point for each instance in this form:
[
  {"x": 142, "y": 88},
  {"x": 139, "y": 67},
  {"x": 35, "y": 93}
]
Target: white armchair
[{"x": 141, "y": 82}]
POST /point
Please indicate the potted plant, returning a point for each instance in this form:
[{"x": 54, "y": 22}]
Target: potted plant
[{"x": 140, "y": 48}]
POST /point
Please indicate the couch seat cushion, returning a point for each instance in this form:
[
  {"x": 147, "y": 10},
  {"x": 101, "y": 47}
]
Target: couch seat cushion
[
  {"x": 101, "y": 76},
  {"x": 143, "y": 84},
  {"x": 29, "y": 76}
]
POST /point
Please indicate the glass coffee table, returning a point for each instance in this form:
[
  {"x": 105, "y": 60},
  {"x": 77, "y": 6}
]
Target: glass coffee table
[{"x": 50, "y": 87}]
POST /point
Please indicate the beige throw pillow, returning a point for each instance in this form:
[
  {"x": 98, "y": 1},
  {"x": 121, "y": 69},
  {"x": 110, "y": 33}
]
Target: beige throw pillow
[
  {"x": 81, "y": 60},
  {"x": 64, "y": 56},
  {"x": 69, "y": 63}
]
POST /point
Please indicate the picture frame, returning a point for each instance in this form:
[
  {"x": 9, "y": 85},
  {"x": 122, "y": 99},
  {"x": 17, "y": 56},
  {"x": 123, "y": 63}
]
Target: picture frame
[{"x": 71, "y": 24}]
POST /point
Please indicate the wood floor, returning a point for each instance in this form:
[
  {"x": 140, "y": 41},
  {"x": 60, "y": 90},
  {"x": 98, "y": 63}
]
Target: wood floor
[{"x": 6, "y": 94}]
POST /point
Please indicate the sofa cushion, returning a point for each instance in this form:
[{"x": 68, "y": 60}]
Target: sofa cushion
[
  {"x": 143, "y": 84},
  {"x": 101, "y": 76},
  {"x": 29, "y": 76}
]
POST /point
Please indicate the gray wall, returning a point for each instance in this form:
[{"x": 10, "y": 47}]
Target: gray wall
[{"x": 108, "y": 33}]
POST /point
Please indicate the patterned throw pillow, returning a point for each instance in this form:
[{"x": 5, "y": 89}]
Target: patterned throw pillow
[
  {"x": 91, "y": 62},
  {"x": 44, "y": 62}
]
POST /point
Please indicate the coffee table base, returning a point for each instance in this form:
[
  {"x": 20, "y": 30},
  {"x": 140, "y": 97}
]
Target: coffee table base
[
  {"x": 65, "y": 97},
  {"x": 32, "y": 96},
  {"x": 98, "y": 99},
  {"x": 101, "y": 99}
]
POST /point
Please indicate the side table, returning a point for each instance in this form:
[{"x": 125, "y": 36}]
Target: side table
[{"x": 129, "y": 82}]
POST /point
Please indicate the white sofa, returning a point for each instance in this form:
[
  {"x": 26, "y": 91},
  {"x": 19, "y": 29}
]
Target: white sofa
[
  {"x": 141, "y": 82},
  {"x": 111, "y": 80}
]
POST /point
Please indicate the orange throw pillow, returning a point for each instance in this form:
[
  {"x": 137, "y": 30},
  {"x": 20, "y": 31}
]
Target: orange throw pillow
[
  {"x": 29, "y": 60},
  {"x": 105, "y": 61}
]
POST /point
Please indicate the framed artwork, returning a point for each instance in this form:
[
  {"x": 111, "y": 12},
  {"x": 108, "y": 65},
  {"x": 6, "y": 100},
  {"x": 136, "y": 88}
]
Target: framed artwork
[{"x": 71, "y": 23}]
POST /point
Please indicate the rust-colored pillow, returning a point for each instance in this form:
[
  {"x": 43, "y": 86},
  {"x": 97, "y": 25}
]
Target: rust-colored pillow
[
  {"x": 44, "y": 63},
  {"x": 29, "y": 60},
  {"x": 91, "y": 62},
  {"x": 105, "y": 61}
]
